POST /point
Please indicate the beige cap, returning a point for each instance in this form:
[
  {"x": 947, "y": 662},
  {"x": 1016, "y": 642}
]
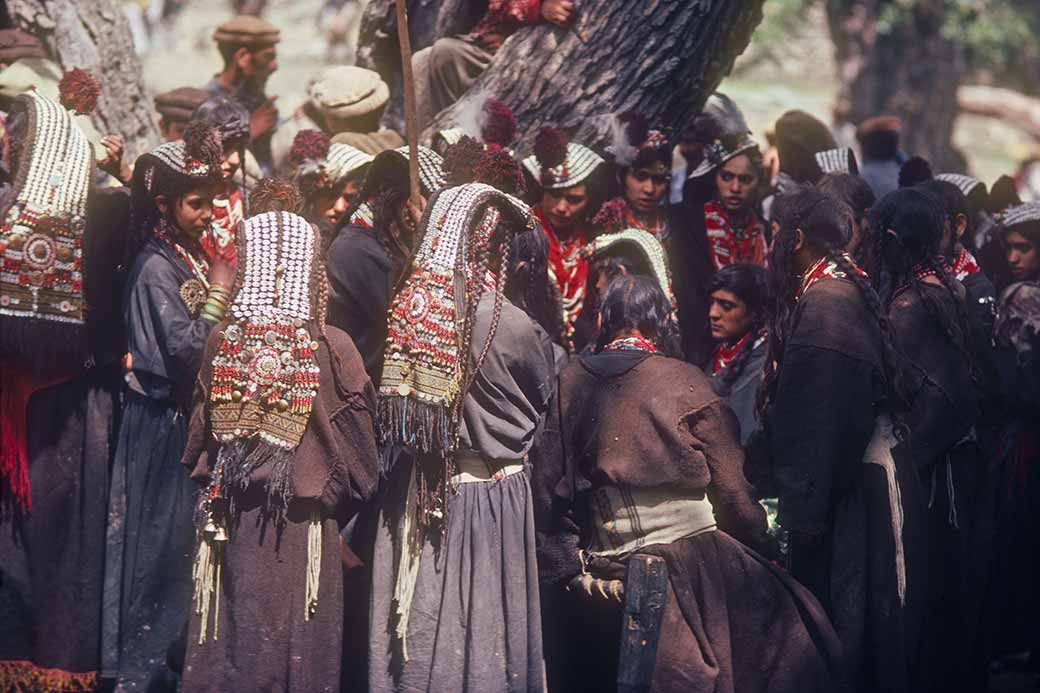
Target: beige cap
[
  {"x": 346, "y": 91},
  {"x": 247, "y": 30}
]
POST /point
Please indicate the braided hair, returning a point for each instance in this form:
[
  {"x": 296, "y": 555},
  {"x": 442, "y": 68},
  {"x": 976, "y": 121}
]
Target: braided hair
[
  {"x": 634, "y": 302},
  {"x": 908, "y": 227},
  {"x": 749, "y": 283},
  {"x": 825, "y": 224},
  {"x": 528, "y": 286}
]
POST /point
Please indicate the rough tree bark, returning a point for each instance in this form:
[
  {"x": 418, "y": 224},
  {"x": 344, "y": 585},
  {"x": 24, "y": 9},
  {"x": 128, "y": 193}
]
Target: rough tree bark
[
  {"x": 659, "y": 57},
  {"x": 95, "y": 36},
  {"x": 907, "y": 68}
]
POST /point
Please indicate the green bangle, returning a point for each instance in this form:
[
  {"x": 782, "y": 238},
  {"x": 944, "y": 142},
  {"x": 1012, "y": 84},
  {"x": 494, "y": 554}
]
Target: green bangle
[{"x": 213, "y": 312}]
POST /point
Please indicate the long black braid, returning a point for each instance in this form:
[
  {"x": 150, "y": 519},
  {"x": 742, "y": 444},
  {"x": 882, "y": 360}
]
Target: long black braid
[
  {"x": 907, "y": 231},
  {"x": 826, "y": 226},
  {"x": 528, "y": 286}
]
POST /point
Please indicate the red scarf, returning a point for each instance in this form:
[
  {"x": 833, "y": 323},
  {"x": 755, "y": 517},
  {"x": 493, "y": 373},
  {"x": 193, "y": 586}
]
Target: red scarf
[
  {"x": 227, "y": 212},
  {"x": 730, "y": 244},
  {"x": 825, "y": 268},
  {"x": 919, "y": 272},
  {"x": 17, "y": 385},
  {"x": 567, "y": 267},
  {"x": 725, "y": 354},
  {"x": 965, "y": 265},
  {"x": 633, "y": 343}
]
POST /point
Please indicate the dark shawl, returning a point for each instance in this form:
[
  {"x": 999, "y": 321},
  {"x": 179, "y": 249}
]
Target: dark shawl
[
  {"x": 690, "y": 263},
  {"x": 335, "y": 464},
  {"x": 361, "y": 276},
  {"x": 944, "y": 403}
]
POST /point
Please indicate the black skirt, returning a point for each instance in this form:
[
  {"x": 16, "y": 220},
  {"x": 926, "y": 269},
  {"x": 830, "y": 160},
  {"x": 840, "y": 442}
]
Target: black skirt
[{"x": 150, "y": 543}]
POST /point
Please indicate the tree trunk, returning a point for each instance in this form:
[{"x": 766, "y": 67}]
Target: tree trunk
[
  {"x": 903, "y": 67},
  {"x": 95, "y": 36},
  {"x": 662, "y": 58},
  {"x": 1006, "y": 105}
]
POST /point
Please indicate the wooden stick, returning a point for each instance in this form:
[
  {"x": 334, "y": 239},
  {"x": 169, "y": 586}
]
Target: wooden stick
[{"x": 410, "y": 121}]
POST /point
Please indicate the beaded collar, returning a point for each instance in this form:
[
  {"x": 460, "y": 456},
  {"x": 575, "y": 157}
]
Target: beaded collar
[
  {"x": 826, "y": 268},
  {"x": 41, "y": 237},
  {"x": 918, "y": 272},
  {"x": 631, "y": 344}
]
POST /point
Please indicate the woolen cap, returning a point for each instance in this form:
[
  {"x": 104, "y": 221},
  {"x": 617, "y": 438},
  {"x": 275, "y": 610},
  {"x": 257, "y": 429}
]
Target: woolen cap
[
  {"x": 247, "y": 30},
  {"x": 178, "y": 105},
  {"x": 346, "y": 91}
]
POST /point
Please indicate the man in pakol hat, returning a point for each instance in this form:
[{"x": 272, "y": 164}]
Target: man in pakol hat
[
  {"x": 248, "y": 46},
  {"x": 175, "y": 108}
]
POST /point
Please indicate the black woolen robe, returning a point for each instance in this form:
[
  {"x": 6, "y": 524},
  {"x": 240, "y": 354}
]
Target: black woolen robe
[
  {"x": 830, "y": 391},
  {"x": 150, "y": 533},
  {"x": 52, "y": 560},
  {"x": 953, "y": 472},
  {"x": 733, "y": 621}
]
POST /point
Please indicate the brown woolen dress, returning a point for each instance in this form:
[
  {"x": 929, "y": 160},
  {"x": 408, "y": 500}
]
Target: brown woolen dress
[
  {"x": 263, "y": 642},
  {"x": 733, "y": 621}
]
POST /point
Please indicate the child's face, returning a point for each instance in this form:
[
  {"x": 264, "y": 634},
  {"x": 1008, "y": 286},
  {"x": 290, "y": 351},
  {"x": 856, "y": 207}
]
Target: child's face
[{"x": 192, "y": 212}]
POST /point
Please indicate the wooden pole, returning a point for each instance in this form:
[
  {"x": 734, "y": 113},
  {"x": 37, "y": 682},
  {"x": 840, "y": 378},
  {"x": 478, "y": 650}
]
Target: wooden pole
[{"x": 410, "y": 120}]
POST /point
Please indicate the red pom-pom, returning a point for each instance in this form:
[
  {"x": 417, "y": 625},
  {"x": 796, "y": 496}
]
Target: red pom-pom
[
  {"x": 78, "y": 91},
  {"x": 499, "y": 124},
  {"x": 611, "y": 216},
  {"x": 202, "y": 143},
  {"x": 499, "y": 169},
  {"x": 309, "y": 144},
  {"x": 461, "y": 160},
  {"x": 550, "y": 147},
  {"x": 636, "y": 127}
]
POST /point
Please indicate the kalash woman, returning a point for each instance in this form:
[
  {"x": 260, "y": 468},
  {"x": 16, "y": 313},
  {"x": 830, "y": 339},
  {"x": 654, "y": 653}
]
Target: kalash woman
[
  {"x": 643, "y": 164},
  {"x": 647, "y": 461},
  {"x": 931, "y": 327},
  {"x": 568, "y": 190},
  {"x": 367, "y": 257},
  {"x": 282, "y": 439},
  {"x": 174, "y": 297},
  {"x": 848, "y": 495},
  {"x": 329, "y": 177},
  {"x": 741, "y": 302},
  {"x": 467, "y": 378},
  {"x": 61, "y": 341}
]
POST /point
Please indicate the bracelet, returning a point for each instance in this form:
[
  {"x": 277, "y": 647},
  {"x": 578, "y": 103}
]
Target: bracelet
[
  {"x": 220, "y": 291},
  {"x": 214, "y": 312},
  {"x": 217, "y": 302}
]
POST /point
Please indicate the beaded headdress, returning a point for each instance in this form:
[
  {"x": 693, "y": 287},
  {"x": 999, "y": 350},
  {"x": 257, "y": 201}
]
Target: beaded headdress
[
  {"x": 265, "y": 377},
  {"x": 1020, "y": 214},
  {"x": 558, "y": 163},
  {"x": 41, "y": 253},
  {"x": 646, "y": 245},
  {"x": 633, "y": 141},
  {"x": 966, "y": 184},
  {"x": 428, "y": 331},
  {"x": 839, "y": 160}
]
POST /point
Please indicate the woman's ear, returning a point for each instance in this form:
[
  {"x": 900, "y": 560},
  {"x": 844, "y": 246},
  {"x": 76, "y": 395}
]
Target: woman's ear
[
  {"x": 799, "y": 240},
  {"x": 162, "y": 203}
]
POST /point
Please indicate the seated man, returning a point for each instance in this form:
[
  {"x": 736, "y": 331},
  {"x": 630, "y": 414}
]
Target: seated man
[{"x": 447, "y": 69}]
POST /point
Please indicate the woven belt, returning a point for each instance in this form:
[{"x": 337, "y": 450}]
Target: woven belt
[{"x": 472, "y": 468}]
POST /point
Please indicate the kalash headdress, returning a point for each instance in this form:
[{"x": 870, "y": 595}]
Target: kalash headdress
[
  {"x": 41, "y": 239},
  {"x": 648, "y": 248},
  {"x": 430, "y": 321},
  {"x": 487, "y": 120},
  {"x": 634, "y": 142},
  {"x": 558, "y": 163},
  {"x": 720, "y": 146},
  {"x": 839, "y": 160},
  {"x": 321, "y": 165},
  {"x": 265, "y": 376},
  {"x": 966, "y": 184}
]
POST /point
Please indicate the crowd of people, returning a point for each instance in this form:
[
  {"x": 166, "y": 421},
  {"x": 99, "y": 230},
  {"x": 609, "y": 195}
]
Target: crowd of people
[{"x": 681, "y": 412}]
